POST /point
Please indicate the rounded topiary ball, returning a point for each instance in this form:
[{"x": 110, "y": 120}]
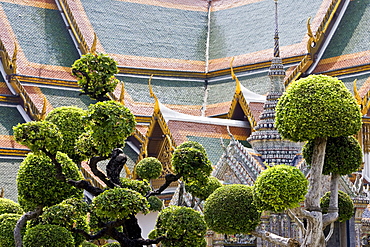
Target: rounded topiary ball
[
  {"x": 71, "y": 213},
  {"x": 192, "y": 164},
  {"x": 114, "y": 244},
  {"x": 345, "y": 205},
  {"x": 7, "y": 225},
  {"x": 143, "y": 187},
  {"x": 280, "y": 187},
  {"x": 48, "y": 235},
  {"x": 317, "y": 106},
  {"x": 182, "y": 226},
  {"x": 203, "y": 191},
  {"x": 230, "y": 209},
  {"x": 71, "y": 124},
  {"x": 37, "y": 183},
  {"x": 192, "y": 144},
  {"x": 119, "y": 203},
  {"x": 149, "y": 168},
  {"x": 343, "y": 155},
  {"x": 8, "y": 206},
  {"x": 155, "y": 204},
  {"x": 38, "y": 136}
]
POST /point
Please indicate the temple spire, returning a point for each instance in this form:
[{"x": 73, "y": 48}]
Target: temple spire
[{"x": 277, "y": 72}]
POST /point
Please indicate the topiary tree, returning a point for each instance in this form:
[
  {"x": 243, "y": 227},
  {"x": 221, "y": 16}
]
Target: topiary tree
[
  {"x": 280, "y": 187},
  {"x": 313, "y": 109},
  {"x": 71, "y": 124},
  {"x": 203, "y": 191},
  {"x": 95, "y": 73},
  {"x": 149, "y": 168},
  {"x": 155, "y": 204},
  {"x": 189, "y": 231},
  {"x": 231, "y": 209},
  {"x": 48, "y": 235},
  {"x": 7, "y": 225},
  {"x": 8, "y": 206},
  {"x": 346, "y": 208}
]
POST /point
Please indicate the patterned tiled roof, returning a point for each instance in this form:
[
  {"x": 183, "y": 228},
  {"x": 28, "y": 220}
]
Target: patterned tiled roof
[
  {"x": 8, "y": 174},
  {"x": 349, "y": 47}
]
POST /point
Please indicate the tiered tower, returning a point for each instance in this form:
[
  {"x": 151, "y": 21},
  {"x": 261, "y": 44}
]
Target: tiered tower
[{"x": 265, "y": 139}]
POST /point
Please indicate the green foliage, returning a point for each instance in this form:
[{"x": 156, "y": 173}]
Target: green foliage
[
  {"x": 230, "y": 209},
  {"x": 343, "y": 155},
  {"x": 70, "y": 121},
  {"x": 88, "y": 244},
  {"x": 182, "y": 226},
  {"x": 48, "y": 236},
  {"x": 317, "y": 106},
  {"x": 7, "y": 225},
  {"x": 345, "y": 205},
  {"x": 280, "y": 187},
  {"x": 192, "y": 163},
  {"x": 155, "y": 204},
  {"x": 143, "y": 187},
  {"x": 192, "y": 144},
  {"x": 38, "y": 185},
  {"x": 149, "y": 168},
  {"x": 95, "y": 73},
  {"x": 8, "y": 206},
  {"x": 110, "y": 124},
  {"x": 71, "y": 213},
  {"x": 114, "y": 244},
  {"x": 203, "y": 191},
  {"x": 119, "y": 203},
  {"x": 39, "y": 135}
]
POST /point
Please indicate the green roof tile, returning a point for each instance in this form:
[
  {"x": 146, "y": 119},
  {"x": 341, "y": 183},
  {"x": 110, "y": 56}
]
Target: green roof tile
[
  {"x": 146, "y": 30},
  {"x": 352, "y": 34},
  {"x": 42, "y": 34},
  {"x": 250, "y": 28},
  {"x": 9, "y": 117},
  {"x": 2, "y": 78},
  {"x": 167, "y": 91},
  {"x": 8, "y": 174},
  {"x": 59, "y": 97}
]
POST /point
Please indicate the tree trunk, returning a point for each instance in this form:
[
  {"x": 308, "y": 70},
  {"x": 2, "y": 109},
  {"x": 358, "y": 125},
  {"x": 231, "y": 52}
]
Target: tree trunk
[
  {"x": 315, "y": 235},
  {"x": 22, "y": 222}
]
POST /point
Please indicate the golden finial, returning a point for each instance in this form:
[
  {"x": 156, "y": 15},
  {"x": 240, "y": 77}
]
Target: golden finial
[
  {"x": 43, "y": 112},
  {"x": 122, "y": 95},
  {"x": 14, "y": 59},
  {"x": 93, "y": 46},
  {"x": 309, "y": 31},
  {"x": 233, "y": 76},
  {"x": 355, "y": 92},
  {"x": 156, "y": 104}
]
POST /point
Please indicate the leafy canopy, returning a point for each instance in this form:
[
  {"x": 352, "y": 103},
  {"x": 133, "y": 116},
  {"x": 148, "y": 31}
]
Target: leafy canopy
[
  {"x": 95, "y": 73},
  {"x": 280, "y": 187},
  {"x": 149, "y": 168},
  {"x": 343, "y": 155},
  {"x": 345, "y": 205},
  {"x": 317, "y": 106},
  {"x": 230, "y": 209}
]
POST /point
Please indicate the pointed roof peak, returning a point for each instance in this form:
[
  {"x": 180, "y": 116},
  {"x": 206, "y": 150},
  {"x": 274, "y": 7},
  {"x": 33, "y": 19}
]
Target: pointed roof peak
[{"x": 276, "y": 46}]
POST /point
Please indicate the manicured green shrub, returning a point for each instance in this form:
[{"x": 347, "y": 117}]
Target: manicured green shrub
[
  {"x": 343, "y": 155},
  {"x": 149, "y": 168},
  {"x": 192, "y": 164},
  {"x": 8, "y": 206},
  {"x": 71, "y": 124},
  {"x": 203, "y": 191},
  {"x": 38, "y": 136},
  {"x": 317, "y": 106},
  {"x": 7, "y": 225},
  {"x": 95, "y": 73},
  {"x": 119, "y": 203},
  {"x": 182, "y": 226},
  {"x": 114, "y": 244},
  {"x": 345, "y": 205},
  {"x": 143, "y": 187},
  {"x": 192, "y": 144},
  {"x": 37, "y": 183},
  {"x": 71, "y": 213},
  {"x": 48, "y": 236},
  {"x": 155, "y": 204},
  {"x": 230, "y": 209},
  {"x": 280, "y": 187},
  {"x": 110, "y": 123}
]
